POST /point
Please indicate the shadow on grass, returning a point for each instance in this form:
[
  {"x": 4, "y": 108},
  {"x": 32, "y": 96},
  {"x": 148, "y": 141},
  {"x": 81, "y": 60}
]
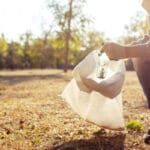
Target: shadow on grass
[
  {"x": 14, "y": 79},
  {"x": 97, "y": 142}
]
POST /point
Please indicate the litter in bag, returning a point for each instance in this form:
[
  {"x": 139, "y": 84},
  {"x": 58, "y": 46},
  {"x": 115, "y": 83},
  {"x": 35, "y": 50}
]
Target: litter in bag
[{"x": 95, "y": 90}]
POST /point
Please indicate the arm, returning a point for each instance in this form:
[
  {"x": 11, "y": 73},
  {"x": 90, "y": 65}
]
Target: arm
[
  {"x": 117, "y": 51},
  {"x": 138, "y": 50}
]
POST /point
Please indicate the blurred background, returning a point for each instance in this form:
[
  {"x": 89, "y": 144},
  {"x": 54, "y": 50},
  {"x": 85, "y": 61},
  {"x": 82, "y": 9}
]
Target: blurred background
[{"x": 59, "y": 33}]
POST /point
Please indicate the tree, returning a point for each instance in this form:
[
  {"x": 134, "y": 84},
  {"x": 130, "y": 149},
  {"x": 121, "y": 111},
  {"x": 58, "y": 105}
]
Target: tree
[
  {"x": 14, "y": 54},
  {"x": 69, "y": 19},
  {"x": 93, "y": 40},
  {"x": 3, "y": 50},
  {"x": 135, "y": 29},
  {"x": 26, "y": 41},
  {"x": 47, "y": 51}
]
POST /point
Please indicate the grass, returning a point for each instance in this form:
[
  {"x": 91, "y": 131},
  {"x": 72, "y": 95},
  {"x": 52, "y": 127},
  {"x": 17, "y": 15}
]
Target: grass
[
  {"x": 34, "y": 117},
  {"x": 134, "y": 125}
]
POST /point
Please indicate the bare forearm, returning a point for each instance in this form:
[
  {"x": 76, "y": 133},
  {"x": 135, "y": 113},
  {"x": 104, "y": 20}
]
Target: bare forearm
[{"x": 138, "y": 50}]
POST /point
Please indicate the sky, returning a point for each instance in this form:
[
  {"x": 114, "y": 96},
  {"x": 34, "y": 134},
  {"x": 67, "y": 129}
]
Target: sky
[{"x": 20, "y": 16}]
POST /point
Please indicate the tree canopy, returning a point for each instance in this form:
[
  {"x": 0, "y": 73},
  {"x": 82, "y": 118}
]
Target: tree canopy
[{"x": 66, "y": 45}]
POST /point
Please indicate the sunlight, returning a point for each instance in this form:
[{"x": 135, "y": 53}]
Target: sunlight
[
  {"x": 18, "y": 17},
  {"x": 110, "y": 16}
]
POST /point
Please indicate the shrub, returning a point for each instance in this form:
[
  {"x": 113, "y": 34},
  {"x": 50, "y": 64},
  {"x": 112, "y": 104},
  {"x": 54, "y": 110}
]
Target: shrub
[{"x": 134, "y": 125}]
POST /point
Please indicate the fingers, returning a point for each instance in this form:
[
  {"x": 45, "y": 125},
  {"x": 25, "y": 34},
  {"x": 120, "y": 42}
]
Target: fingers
[
  {"x": 102, "y": 47},
  {"x": 105, "y": 46},
  {"x": 108, "y": 48},
  {"x": 113, "y": 50}
]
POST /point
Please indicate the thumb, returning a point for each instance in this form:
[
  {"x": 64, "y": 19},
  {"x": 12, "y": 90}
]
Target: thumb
[{"x": 105, "y": 46}]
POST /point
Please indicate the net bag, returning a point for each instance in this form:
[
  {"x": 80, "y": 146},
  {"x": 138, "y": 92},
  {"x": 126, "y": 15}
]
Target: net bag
[{"x": 95, "y": 90}]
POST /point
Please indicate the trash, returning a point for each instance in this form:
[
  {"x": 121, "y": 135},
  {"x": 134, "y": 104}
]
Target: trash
[{"x": 95, "y": 90}]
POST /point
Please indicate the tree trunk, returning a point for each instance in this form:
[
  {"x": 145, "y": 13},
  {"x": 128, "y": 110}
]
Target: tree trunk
[{"x": 68, "y": 36}]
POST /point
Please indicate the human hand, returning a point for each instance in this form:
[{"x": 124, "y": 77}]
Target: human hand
[{"x": 114, "y": 50}]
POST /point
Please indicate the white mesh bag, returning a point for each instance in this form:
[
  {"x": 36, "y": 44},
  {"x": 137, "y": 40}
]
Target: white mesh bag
[{"x": 95, "y": 90}]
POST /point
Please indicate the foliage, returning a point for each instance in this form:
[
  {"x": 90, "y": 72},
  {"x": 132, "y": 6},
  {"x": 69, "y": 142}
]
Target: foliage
[
  {"x": 134, "y": 125},
  {"x": 14, "y": 55},
  {"x": 3, "y": 50},
  {"x": 137, "y": 27},
  {"x": 49, "y": 50},
  {"x": 69, "y": 20}
]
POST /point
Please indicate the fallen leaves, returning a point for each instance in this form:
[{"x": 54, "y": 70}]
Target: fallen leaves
[{"x": 33, "y": 115}]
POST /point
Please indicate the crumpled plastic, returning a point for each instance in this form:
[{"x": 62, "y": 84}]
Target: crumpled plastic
[{"x": 95, "y": 90}]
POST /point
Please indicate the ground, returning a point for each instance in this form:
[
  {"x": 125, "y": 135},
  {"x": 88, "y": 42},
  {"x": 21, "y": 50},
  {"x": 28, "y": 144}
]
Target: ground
[{"x": 34, "y": 117}]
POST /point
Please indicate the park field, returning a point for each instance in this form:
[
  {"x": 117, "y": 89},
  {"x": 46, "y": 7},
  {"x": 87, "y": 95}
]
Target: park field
[{"x": 34, "y": 117}]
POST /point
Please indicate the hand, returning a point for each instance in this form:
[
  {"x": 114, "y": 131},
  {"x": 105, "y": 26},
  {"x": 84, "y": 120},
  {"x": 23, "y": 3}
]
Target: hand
[{"x": 114, "y": 50}]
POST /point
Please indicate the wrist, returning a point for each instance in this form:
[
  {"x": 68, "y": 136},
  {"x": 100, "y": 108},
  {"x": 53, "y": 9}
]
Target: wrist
[
  {"x": 133, "y": 51},
  {"x": 126, "y": 52}
]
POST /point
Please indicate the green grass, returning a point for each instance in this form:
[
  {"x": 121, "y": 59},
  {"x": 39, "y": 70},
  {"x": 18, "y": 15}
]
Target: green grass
[{"x": 135, "y": 125}]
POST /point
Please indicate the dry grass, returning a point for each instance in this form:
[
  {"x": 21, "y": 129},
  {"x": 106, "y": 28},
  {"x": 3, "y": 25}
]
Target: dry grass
[{"x": 33, "y": 116}]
